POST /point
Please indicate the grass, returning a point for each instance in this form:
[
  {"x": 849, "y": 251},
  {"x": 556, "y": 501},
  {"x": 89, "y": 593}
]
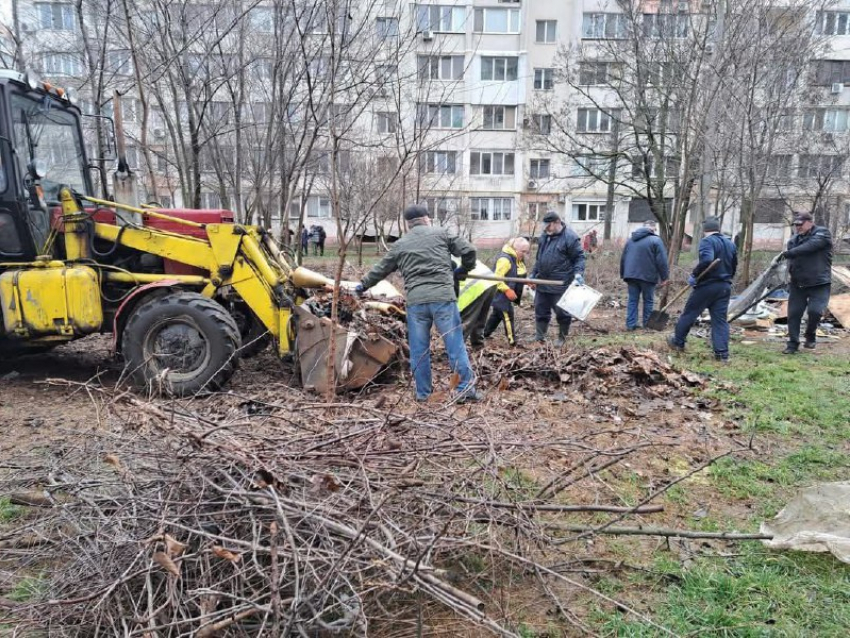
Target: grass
[
  {"x": 8, "y": 511},
  {"x": 797, "y": 411}
]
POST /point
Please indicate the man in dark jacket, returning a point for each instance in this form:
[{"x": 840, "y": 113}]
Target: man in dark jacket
[
  {"x": 712, "y": 291},
  {"x": 560, "y": 258},
  {"x": 809, "y": 255},
  {"x": 643, "y": 266},
  {"x": 424, "y": 258}
]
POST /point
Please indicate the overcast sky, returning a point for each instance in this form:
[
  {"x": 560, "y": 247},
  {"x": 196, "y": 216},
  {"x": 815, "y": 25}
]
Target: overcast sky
[{"x": 6, "y": 11}]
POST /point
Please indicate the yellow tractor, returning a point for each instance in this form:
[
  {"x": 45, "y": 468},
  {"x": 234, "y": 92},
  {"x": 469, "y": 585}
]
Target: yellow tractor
[{"x": 185, "y": 293}]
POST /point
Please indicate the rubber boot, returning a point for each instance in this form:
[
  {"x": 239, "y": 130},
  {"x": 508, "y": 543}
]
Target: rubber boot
[
  {"x": 540, "y": 329},
  {"x": 563, "y": 331}
]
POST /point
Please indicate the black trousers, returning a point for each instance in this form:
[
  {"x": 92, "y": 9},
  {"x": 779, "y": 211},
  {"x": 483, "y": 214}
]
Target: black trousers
[
  {"x": 474, "y": 317},
  {"x": 816, "y": 299},
  {"x": 502, "y": 313},
  {"x": 545, "y": 303}
]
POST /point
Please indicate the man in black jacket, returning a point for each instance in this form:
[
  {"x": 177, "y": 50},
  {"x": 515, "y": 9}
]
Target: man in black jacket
[
  {"x": 560, "y": 258},
  {"x": 809, "y": 255}
]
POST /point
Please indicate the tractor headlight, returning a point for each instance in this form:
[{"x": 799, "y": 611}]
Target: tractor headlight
[
  {"x": 32, "y": 81},
  {"x": 38, "y": 169}
]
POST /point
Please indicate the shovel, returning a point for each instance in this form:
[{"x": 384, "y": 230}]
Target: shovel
[{"x": 659, "y": 319}]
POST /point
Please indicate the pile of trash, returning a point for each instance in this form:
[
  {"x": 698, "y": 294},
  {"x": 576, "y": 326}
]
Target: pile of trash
[{"x": 598, "y": 372}]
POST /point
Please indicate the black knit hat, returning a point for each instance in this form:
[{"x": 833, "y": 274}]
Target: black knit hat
[
  {"x": 711, "y": 225},
  {"x": 415, "y": 212},
  {"x": 550, "y": 217}
]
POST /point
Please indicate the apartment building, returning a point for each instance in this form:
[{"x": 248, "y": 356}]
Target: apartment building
[{"x": 491, "y": 111}]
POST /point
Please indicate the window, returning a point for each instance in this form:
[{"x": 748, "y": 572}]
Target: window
[
  {"x": 386, "y": 77},
  {"x": 441, "y": 115},
  {"x": 666, "y": 25},
  {"x": 386, "y": 122},
  {"x": 604, "y": 26},
  {"x": 536, "y": 210},
  {"x": 56, "y": 15},
  {"x": 493, "y": 20},
  {"x": 832, "y": 120},
  {"x": 541, "y": 123},
  {"x": 645, "y": 167},
  {"x": 590, "y": 166},
  {"x": 318, "y": 206},
  {"x": 819, "y": 166},
  {"x": 262, "y": 68},
  {"x": 499, "y": 69},
  {"x": 210, "y": 200},
  {"x": 779, "y": 166},
  {"x": 499, "y": 118},
  {"x": 386, "y": 28},
  {"x": 119, "y": 62},
  {"x": 441, "y": 67},
  {"x": 62, "y": 64},
  {"x": 261, "y": 20},
  {"x": 544, "y": 78},
  {"x": 131, "y": 110},
  {"x": 546, "y": 31},
  {"x": 441, "y": 162},
  {"x": 491, "y": 208},
  {"x": 593, "y": 121},
  {"x": 832, "y": 23},
  {"x": 491, "y": 163},
  {"x": 539, "y": 169},
  {"x": 593, "y": 73},
  {"x": 442, "y": 208},
  {"x": 436, "y": 17},
  {"x": 828, "y": 72},
  {"x": 588, "y": 212}
]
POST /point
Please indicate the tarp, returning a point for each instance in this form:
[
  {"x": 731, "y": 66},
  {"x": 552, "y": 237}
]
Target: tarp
[
  {"x": 816, "y": 520},
  {"x": 774, "y": 277}
]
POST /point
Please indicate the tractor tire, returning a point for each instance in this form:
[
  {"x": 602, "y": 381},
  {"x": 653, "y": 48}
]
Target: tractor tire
[
  {"x": 255, "y": 337},
  {"x": 180, "y": 344}
]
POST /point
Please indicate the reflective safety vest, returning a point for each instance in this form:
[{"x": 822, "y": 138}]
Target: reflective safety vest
[{"x": 471, "y": 289}]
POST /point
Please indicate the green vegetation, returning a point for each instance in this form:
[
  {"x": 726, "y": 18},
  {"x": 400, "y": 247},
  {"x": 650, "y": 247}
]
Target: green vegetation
[
  {"x": 797, "y": 410},
  {"x": 8, "y": 511}
]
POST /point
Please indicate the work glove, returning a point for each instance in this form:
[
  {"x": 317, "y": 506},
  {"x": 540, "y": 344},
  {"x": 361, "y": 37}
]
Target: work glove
[
  {"x": 510, "y": 294},
  {"x": 460, "y": 273},
  {"x": 783, "y": 255},
  {"x": 692, "y": 281},
  {"x": 359, "y": 289},
  {"x": 579, "y": 280}
]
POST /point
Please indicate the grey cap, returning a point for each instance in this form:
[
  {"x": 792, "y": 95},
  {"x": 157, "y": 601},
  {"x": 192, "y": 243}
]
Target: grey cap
[
  {"x": 711, "y": 225},
  {"x": 415, "y": 212},
  {"x": 651, "y": 223},
  {"x": 551, "y": 216}
]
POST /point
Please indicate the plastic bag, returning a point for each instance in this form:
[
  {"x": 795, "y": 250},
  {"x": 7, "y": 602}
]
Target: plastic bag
[{"x": 579, "y": 301}]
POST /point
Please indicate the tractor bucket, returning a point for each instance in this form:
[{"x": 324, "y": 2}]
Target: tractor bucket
[{"x": 359, "y": 358}]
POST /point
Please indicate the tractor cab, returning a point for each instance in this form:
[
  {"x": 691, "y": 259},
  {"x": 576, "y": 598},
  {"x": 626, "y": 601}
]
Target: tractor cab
[{"x": 41, "y": 149}]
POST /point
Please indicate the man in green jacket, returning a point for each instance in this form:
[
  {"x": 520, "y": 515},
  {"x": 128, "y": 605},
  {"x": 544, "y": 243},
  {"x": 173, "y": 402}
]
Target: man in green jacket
[{"x": 423, "y": 256}]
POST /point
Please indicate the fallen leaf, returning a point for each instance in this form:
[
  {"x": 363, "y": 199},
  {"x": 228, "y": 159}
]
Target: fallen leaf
[
  {"x": 173, "y": 547},
  {"x": 454, "y": 381},
  {"x": 226, "y": 554},
  {"x": 166, "y": 563}
]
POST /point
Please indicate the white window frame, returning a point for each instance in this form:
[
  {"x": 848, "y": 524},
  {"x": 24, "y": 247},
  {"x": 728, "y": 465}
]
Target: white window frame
[
  {"x": 832, "y": 23},
  {"x": 449, "y": 18},
  {"x": 593, "y": 211},
  {"x": 493, "y": 113},
  {"x": 261, "y": 19},
  {"x": 496, "y": 161},
  {"x": 386, "y": 122},
  {"x": 494, "y": 208},
  {"x": 589, "y": 165},
  {"x": 536, "y": 123},
  {"x": 442, "y": 116},
  {"x": 594, "y": 70},
  {"x": 445, "y": 68},
  {"x": 593, "y": 120},
  {"x": 318, "y": 204},
  {"x": 386, "y": 27},
  {"x": 603, "y": 26},
  {"x": 56, "y": 16},
  {"x": 540, "y": 168},
  {"x": 544, "y": 79},
  {"x": 658, "y": 26},
  {"x": 548, "y": 29},
  {"x": 499, "y": 67},
  {"x": 441, "y": 163},
  {"x": 483, "y": 15},
  {"x": 64, "y": 64}
]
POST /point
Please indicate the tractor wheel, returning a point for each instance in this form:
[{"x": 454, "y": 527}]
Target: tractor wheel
[
  {"x": 180, "y": 344},
  {"x": 255, "y": 337}
]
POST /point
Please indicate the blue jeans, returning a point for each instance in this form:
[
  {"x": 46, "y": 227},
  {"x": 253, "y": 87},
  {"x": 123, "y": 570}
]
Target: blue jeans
[
  {"x": 638, "y": 289},
  {"x": 713, "y": 295},
  {"x": 444, "y": 315}
]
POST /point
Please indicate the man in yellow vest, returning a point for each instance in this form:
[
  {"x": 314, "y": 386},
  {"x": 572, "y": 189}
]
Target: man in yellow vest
[
  {"x": 473, "y": 301},
  {"x": 509, "y": 263}
]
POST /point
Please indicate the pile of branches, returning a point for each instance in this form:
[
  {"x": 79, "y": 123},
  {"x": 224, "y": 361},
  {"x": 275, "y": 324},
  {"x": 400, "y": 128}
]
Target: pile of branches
[
  {"x": 600, "y": 371},
  {"x": 296, "y": 518}
]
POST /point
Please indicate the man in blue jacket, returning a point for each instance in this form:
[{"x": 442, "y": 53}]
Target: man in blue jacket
[
  {"x": 643, "y": 266},
  {"x": 560, "y": 258},
  {"x": 713, "y": 290},
  {"x": 809, "y": 256}
]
